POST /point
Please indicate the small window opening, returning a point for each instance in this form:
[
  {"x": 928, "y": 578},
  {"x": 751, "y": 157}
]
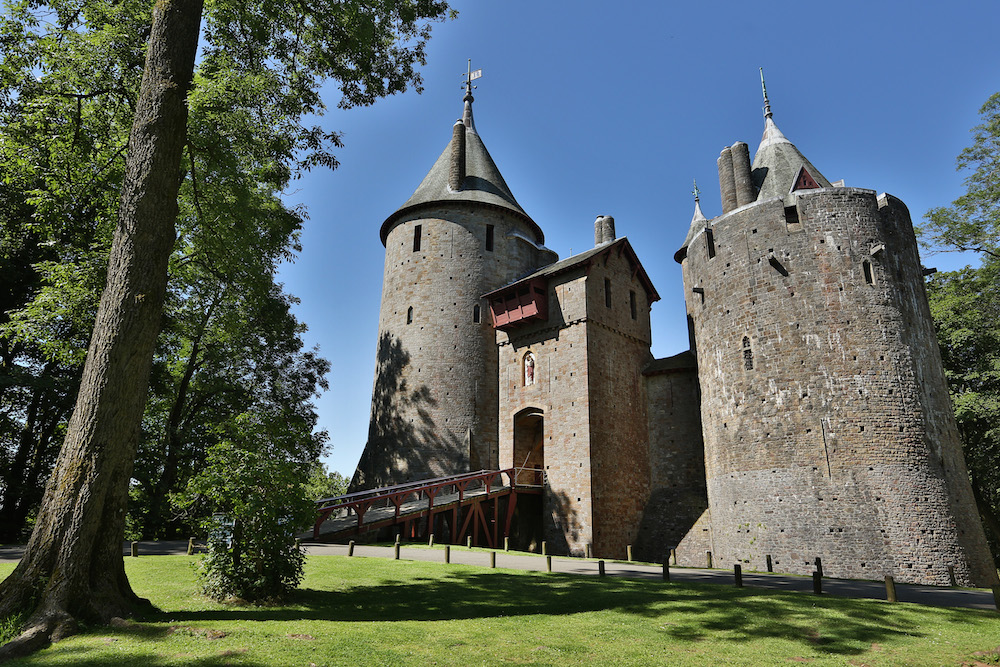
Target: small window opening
[
  {"x": 791, "y": 215},
  {"x": 710, "y": 240},
  {"x": 476, "y": 314},
  {"x": 489, "y": 238},
  {"x": 869, "y": 277},
  {"x": 409, "y": 315},
  {"x": 607, "y": 292},
  {"x": 631, "y": 302},
  {"x": 747, "y": 354},
  {"x": 416, "y": 238}
]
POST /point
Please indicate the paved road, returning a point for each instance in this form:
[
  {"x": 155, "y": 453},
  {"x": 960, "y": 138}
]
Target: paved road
[{"x": 975, "y": 598}]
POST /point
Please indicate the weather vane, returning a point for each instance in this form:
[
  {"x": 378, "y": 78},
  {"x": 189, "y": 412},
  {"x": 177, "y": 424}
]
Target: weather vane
[
  {"x": 696, "y": 191},
  {"x": 471, "y": 76},
  {"x": 767, "y": 103}
]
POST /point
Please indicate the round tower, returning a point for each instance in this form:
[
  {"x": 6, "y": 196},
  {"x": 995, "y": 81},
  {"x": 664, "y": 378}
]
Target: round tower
[
  {"x": 460, "y": 235},
  {"x": 827, "y": 424}
]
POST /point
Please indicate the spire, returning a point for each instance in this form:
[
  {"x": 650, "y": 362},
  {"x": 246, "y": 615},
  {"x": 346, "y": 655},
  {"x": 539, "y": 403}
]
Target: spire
[
  {"x": 698, "y": 215},
  {"x": 777, "y": 163},
  {"x": 698, "y": 224},
  {"x": 468, "y": 99}
]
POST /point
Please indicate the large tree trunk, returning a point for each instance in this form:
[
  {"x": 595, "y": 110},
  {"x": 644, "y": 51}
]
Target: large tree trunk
[{"x": 73, "y": 566}]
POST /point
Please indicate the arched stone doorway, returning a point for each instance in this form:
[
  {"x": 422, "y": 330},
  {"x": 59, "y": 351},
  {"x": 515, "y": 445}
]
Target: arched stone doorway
[{"x": 529, "y": 450}]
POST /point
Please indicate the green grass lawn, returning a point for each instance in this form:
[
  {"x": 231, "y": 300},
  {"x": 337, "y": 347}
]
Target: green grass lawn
[{"x": 357, "y": 611}]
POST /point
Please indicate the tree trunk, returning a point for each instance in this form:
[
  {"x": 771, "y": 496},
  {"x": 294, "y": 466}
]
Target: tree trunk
[{"x": 73, "y": 567}]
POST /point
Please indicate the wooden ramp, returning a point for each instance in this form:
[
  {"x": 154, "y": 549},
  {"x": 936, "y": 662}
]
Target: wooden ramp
[{"x": 454, "y": 508}]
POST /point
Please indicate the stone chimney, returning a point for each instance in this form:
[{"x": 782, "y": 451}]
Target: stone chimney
[
  {"x": 604, "y": 230},
  {"x": 456, "y": 172}
]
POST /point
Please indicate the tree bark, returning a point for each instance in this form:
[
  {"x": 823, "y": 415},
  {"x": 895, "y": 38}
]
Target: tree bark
[{"x": 73, "y": 566}]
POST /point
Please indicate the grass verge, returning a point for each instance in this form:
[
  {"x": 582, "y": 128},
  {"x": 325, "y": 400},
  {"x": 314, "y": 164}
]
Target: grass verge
[{"x": 384, "y": 612}]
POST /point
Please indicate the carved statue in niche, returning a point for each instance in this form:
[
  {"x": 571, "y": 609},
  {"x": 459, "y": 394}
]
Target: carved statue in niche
[{"x": 529, "y": 369}]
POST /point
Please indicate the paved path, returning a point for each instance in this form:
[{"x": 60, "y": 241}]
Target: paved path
[{"x": 972, "y": 598}]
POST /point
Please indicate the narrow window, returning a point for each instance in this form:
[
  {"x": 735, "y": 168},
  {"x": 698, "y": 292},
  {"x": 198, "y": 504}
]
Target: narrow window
[
  {"x": 710, "y": 240},
  {"x": 607, "y": 292},
  {"x": 489, "y": 238},
  {"x": 476, "y": 314},
  {"x": 791, "y": 215},
  {"x": 631, "y": 302},
  {"x": 416, "y": 238},
  {"x": 409, "y": 315},
  {"x": 869, "y": 277},
  {"x": 747, "y": 354}
]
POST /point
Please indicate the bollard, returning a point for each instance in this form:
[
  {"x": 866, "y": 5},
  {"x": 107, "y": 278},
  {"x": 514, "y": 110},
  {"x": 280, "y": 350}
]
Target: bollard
[
  {"x": 350, "y": 548},
  {"x": 548, "y": 563},
  {"x": 447, "y": 553},
  {"x": 770, "y": 567},
  {"x": 738, "y": 575},
  {"x": 628, "y": 552},
  {"x": 708, "y": 559},
  {"x": 430, "y": 540},
  {"x": 817, "y": 583},
  {"x": 190, "y": 546},
  {"x": 890, "y": 588},
  {"x": 673, "y": 556},
  {"x": 666, "y": 570},
  {"x": 545, "y": 547},
  {"x": 586, "y": 550},
  {"x": 951, "y": 576},
  {"x": 506, "y": 544},
  {"x": 493, "y": 559},
  {"x": 600, "y": 567},
  {"x": 819, "y": 566},
  {"x": 395, "y": 549},
  {"x": 468, "y": 542},
  {"x": 135, "y": 550}
]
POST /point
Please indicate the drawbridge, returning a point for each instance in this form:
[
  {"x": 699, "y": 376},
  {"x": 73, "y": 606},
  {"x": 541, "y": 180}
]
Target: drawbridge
[{"x": 480, "y": 505}]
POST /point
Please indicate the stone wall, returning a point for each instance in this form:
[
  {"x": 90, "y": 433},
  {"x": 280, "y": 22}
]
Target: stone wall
[
  {"x": 823, "y": 436},
  {"x": 434, "y": 401}
]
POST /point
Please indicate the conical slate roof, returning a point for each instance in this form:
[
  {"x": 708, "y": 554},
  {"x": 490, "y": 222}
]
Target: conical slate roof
[
  {"x": 482, "y": 184},
  {"x": 777, "y": 163},
  {"x": 698, "y": 222}
]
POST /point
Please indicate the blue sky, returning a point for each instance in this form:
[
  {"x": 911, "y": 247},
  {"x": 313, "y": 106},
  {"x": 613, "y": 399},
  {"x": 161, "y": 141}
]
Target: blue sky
[{"x": 595, "y": 108}]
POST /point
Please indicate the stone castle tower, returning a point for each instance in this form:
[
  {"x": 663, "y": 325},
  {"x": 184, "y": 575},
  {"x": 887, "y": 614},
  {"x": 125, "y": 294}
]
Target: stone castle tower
[
  {"x": 461, "y": 235},
  {"x": 825, "y": 411}
]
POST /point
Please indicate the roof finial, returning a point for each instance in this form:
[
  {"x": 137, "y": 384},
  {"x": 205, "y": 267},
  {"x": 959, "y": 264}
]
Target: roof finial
[
  {"x": 696, "y": 191},
  {"x": 470, "y": 76},
  {"x": 767, "y": 103}
]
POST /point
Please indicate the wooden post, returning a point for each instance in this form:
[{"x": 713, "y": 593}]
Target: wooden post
[
  {"x": 545, "y": 547},
  {"x": 586, "y": 550},
  {"x": 628, "y": 552},
  {"x": 738, "y": 575},
  {"x": 395, "y": 549},
  {"x": 673, "y": 556},
  {"x": 819, "y": 566},
  {"x": 350, "y": 548},
  {"x": 430, "y": 540},
  {"x": 398, "y": 535},
  {"x": 506, "y": 544},
  {"x": 951, "y": 576},
  {"x": 600, "y": 567},
  {"x": 135, "y": 550},
  {"x": 770, "y": 566},
  {"x": 190, "y": 546},
  {"x": 890, "y": 588},
  {"x": 817, "y": 583},
  {"x": 548, "y": 563},
  {"x": 447, "y": 553},
  {"x": 708, "y": 559},
  {"x": 666, "y": 570},
  {"x": 493, "y": 559}
]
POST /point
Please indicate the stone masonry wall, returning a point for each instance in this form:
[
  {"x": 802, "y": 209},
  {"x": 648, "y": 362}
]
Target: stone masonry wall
[
  {"x": 434, "y": 400},
  {"x": 825, "y": 420}
]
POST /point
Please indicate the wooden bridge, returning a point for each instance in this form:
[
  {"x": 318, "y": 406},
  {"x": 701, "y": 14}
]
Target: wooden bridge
[{"x": 458, "y": 506}]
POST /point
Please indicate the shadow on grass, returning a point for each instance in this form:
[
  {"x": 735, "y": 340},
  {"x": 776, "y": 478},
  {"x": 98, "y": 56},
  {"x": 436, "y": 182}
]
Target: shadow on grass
[{"x": 690, "y": 612}]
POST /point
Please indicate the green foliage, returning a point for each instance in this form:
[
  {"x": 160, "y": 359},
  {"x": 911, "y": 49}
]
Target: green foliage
[
  {"x": 323, "y": 484},
  {"x": 253, "y": 503},
  {"x": 972, "y": 222}
]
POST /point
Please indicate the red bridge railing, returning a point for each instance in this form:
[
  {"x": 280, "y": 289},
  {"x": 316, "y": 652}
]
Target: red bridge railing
[{"x": 360, "y": 502}]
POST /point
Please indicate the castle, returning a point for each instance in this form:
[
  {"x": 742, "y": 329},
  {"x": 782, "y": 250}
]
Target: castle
[{"x": 810, "y": 418}]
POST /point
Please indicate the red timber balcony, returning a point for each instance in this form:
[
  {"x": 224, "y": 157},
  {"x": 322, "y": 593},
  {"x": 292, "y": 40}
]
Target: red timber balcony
[{"x": 519, "y": 304}]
